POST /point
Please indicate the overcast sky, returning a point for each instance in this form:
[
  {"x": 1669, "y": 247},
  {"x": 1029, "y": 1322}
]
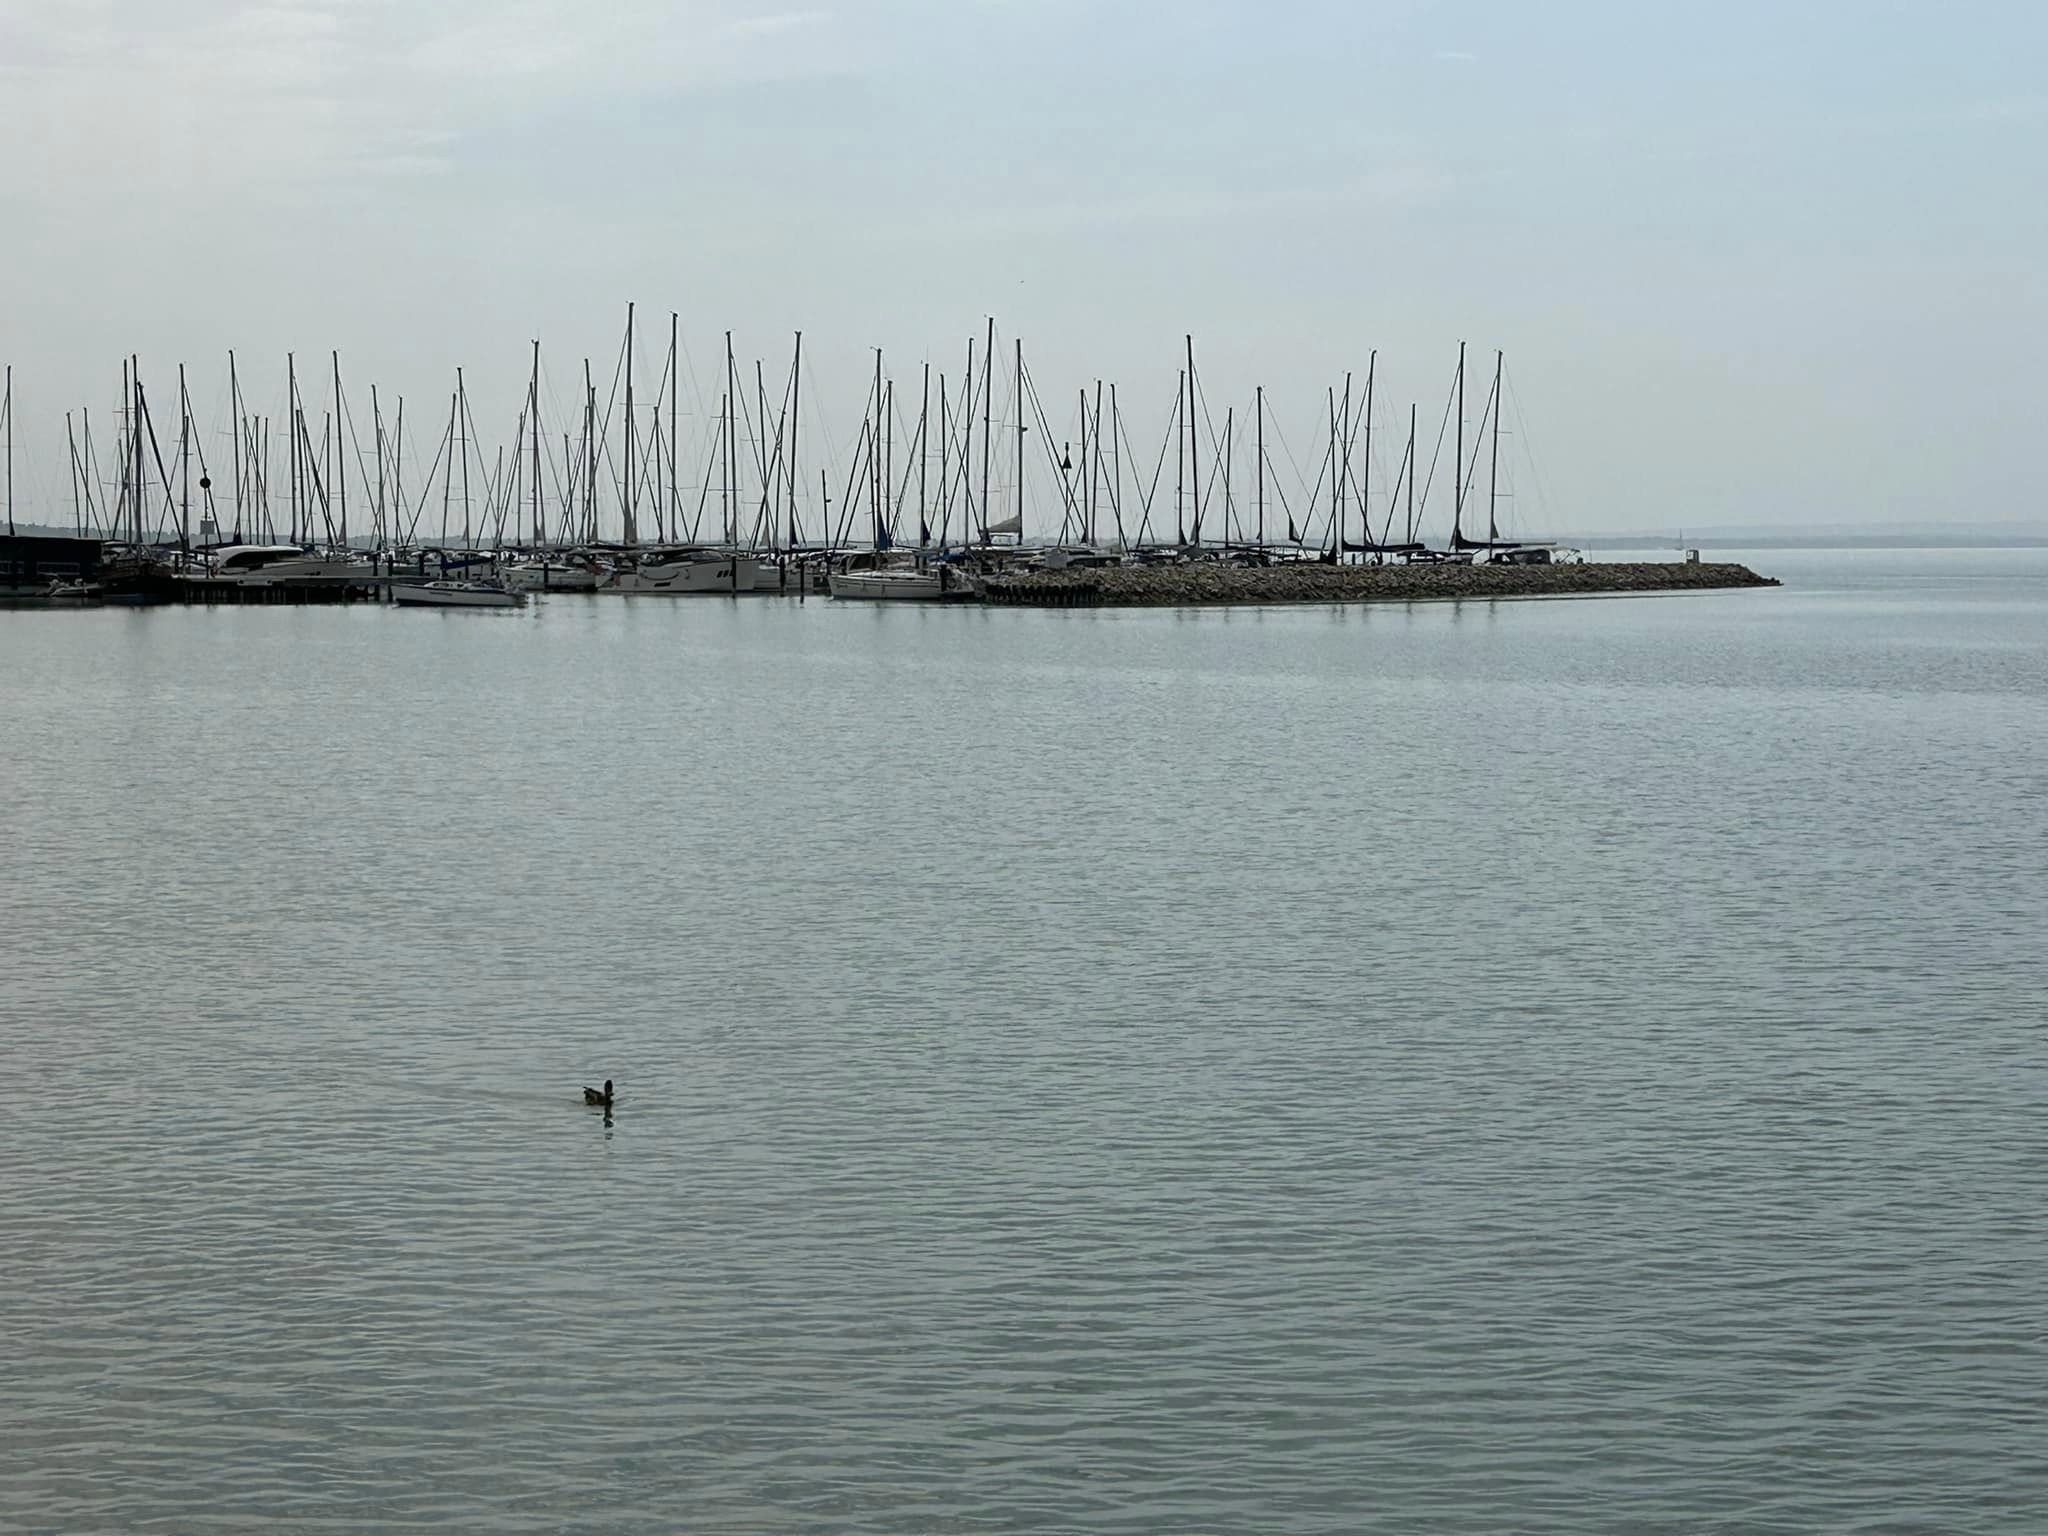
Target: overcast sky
[{"x": 1750, "y": 262}]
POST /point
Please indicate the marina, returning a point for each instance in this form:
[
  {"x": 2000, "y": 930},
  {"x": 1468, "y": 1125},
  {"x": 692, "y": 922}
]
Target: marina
[{"x": 974, "y": 493}]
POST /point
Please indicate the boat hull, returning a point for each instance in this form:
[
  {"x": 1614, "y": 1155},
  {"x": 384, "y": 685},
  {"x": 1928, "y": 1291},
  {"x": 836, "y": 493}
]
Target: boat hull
[
  {"x": 900, "y": 586},
  {"x": 435, "y": 596},
  {"x": 710, "y": 577}
]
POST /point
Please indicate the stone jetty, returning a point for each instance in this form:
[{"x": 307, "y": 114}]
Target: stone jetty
[{"x": 1205, "y": 583}]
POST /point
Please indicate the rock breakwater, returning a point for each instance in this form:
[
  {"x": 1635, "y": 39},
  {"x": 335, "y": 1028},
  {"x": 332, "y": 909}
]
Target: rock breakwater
[{"x": 1200, "y": 583}]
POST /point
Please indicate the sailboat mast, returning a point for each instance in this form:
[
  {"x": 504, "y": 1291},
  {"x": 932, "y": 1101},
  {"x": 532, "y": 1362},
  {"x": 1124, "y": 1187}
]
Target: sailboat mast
[
  {"x": 590, "y": 450},
  {"x": 1020, "y": 440},
  {"x": 1493, "y": 471},
  {"x": 77, "y": 510},
  {"x": 291, "y": 428},
  {"x": 632, "y": 532},
  {"x": 447, "y": 472},
  {"x": 8, "y": 408},
  {"x": 1458, "y": 482},
  {"x": 382, "y": 530},
  {"x": 533, "y": 411},
  {"x": 340, "y": 452},
  {"x": 1372, "y": 368},
  {"x": 987, "y": 421},
  {"x": 1194, "y": 443},
  {"x": 1260, "y": 448},
  {"x": 675, "y": 389},
  {"x": 235, "y": 410},
  {"x": 796, "y": 417},
  {"x": 1343, "y": 468},
  {"x": 1181, "y": 454},
  {"x": 924, "y": 416},
  {"x": 462, "y": 427},
  {"x": 732, "y": 446},
  {"x": 184, "y": 464},
  {"x": 398, "y": 468},
  {"x": 1411, "y": 473}
]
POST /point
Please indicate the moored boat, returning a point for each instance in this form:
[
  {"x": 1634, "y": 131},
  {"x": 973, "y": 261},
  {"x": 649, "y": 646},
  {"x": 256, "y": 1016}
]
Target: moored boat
[{"x": 457, "y": 594}]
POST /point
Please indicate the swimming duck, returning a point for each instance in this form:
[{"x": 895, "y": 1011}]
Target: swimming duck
[{"x": 592, "y": 1096}]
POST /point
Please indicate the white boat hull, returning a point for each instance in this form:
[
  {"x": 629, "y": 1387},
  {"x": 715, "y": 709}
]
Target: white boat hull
[
  {"x": 551, "y": 578},
  {"x": 706, "y": 577},
  {"x": 456, "y": 595},
  {"x": 900, "y": 586}
]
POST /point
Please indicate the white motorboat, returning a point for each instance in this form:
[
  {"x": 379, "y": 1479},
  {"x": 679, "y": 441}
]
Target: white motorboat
[
  {"x": 552, "y": 576},
  {"x": 457, "y": 594},
  {"x": 903, "y": 584},
  {"x": 263, "y": 565},
  {"x": 683, "y": 573}
]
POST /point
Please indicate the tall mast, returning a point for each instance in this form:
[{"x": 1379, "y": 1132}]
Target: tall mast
[
  {"x": 590, "y": 449},
  {"x": 1116, "y": 468},
  {"x": 462, "y": 427},
  {"x": 1372, "y": 368},
  {"x": 8, "y": 409},
  {"x": 732, "y": 446},
  {"x": 1458, "y": 481},
  {"x": 632, "y": 531},
  {"x": 945, "y": 462},
  {"x": 448, "y": 471},
  {"x": 1020, "y": 440},
  {"x": 924, "y": 414},
  {"x": 967, "y": 448},
  {"x": 875, "y": 457},
  {"x": 675, "y": 389},
  {"x": 1410, "y": 539},
  {"x": 1095, "y": 470},
  {"x": 533, "y": 411},
  {"x": 398, "y": 467},
  {"x": 291, "y": 409},
  {"x": 1493, "y": 472},
  {"x": 1194, "y": 442},
  {"x": 1261, "y": 450},
  {"x": 340, "y": 452},
  {"x": 235, "y": 410},
  {"x": 1081, "y": 510},
  {"x": 1343, "y": 474},
  {"x": 987, "y": 422},
  {"x": 796, "y": 417},
  {"x": 77, "y": 510},
  {"x": 184, "y": 465},
  {"x": 766, "y": 516},
  {"x": 382, "y": 529},
  {"x": 1180, "y": 461}
]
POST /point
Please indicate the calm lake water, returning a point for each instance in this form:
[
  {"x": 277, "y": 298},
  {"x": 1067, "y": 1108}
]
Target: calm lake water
[{"x": 1545, "y": 1067}]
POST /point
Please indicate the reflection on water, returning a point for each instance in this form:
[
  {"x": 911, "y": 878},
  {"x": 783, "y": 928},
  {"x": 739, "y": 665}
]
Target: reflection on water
[{"x": 1540, "y": 1066}]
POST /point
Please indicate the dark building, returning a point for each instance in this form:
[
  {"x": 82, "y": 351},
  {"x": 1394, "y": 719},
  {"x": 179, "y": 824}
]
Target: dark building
[{"x": 30, "y": 562}]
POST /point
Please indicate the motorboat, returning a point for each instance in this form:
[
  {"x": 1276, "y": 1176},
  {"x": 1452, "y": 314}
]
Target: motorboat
[
  {"x": 685, "y": 572},
  {"x": 264, "y": 565},
  {"x": 552, "y": 575},
  {"x": 457, "y": 594}
]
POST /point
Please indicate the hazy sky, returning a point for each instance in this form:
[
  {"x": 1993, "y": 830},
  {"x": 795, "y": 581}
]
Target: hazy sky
[{"x": 1750, "y": 262}]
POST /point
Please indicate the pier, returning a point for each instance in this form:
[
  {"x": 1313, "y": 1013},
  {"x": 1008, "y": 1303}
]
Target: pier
[{"x": 1209, "y": 583}]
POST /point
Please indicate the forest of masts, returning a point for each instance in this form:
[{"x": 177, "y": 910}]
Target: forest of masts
[{"x": 965, "y": 461}]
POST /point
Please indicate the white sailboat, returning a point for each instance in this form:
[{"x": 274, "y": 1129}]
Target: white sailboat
[{"x": 903, "y": 584}]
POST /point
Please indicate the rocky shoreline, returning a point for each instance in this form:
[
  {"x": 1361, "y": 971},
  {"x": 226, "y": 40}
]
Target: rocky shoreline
[{"x": 1205, "y": 584}]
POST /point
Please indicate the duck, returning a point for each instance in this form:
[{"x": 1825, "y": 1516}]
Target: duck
[{"x": 592, "y": 1096}]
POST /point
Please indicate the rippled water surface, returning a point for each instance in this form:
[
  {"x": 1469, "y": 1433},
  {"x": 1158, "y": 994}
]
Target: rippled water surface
[{"x": 1558, "y": 1067}]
